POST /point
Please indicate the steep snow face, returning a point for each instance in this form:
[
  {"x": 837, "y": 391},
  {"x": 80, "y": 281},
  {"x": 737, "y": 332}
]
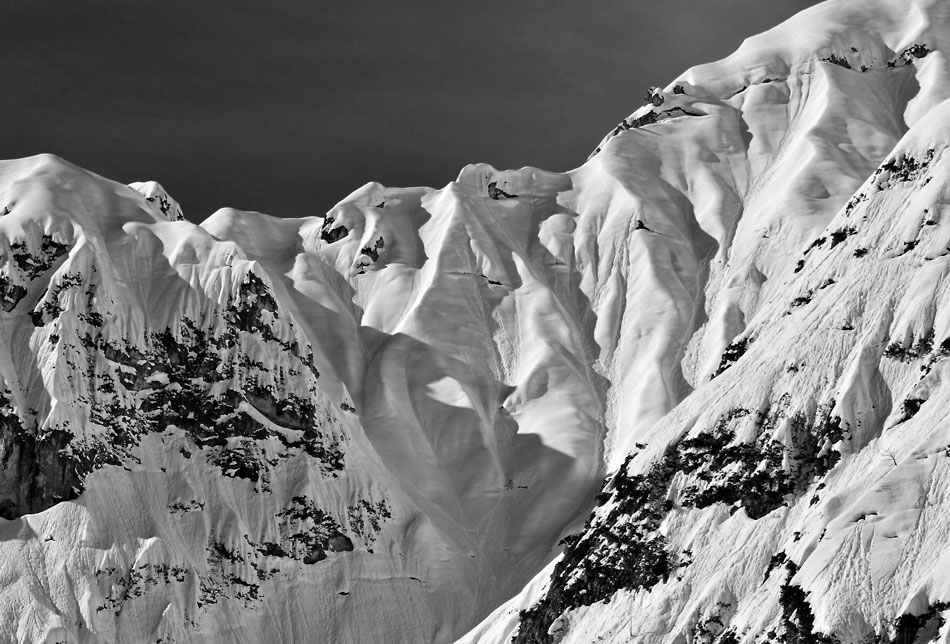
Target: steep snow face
[
  {"x": 800, "y": 495},
  {"x": 377, "y": 425},
  {"x": 453, "y": 320},
  {"x": 151, "y": 374},
  {"x": 366, "y": 426},
  {"x": 797, "y": 495},
  {"x": 693, "y": 205}
]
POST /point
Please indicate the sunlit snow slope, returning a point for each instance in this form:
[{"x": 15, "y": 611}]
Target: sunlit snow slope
[
  {"x": 382, "y": 424},
  {"x": 366, "y": 427},
  {"x": 800, "y": 494}
]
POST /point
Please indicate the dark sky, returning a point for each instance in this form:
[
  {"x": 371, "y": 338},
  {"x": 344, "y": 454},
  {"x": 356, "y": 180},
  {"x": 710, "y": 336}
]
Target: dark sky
[{"x": 286, "y": 106}]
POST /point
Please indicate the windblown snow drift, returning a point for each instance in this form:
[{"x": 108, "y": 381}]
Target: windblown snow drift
[{"x": 393, "y": 422}]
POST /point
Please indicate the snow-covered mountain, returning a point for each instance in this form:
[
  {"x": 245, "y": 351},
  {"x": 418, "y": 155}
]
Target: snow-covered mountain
[{"x": 393, "y": 422}]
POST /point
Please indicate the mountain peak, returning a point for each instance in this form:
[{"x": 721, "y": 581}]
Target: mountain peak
[
  {"x": 690, "y": 391},
  {"x": 159, "y": 199}
]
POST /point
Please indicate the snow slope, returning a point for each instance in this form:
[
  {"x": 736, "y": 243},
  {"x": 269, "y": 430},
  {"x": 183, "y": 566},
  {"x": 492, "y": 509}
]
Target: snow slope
[
  {"x": 370, "y": 425},
  {"x": 797, "y": 495},
  {"x": 814, "y": 463},
  {"x": 378, "y": 425}
]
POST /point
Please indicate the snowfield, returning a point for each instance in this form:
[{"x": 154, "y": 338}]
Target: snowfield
[{"x": 393, "y": 423}]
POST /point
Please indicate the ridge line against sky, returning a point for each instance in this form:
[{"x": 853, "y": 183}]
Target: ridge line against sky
[{"x": 287, "y": 108}]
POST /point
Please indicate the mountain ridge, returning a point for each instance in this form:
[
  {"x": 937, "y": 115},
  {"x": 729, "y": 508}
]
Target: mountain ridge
[{"x": 387, "y": 422}]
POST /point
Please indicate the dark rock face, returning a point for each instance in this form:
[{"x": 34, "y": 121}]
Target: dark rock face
[
  {"x": 621, "y": 546},
  {"x": 622, "y": 549},
  {"x": 10, "y": 294},
  {"x": 902, "y": 169},
  {"x": 840, "y": 235},
  {"x": 494, "y": 192},
  {"x": 32, "y": 471},
  {"x": 237, "y": 570},
  {"x": 910, "y": 407},
  {"x": 373, "y": 251},
  {"x": 191, "y": 361},
  {"x": 909, "y": 54},
  {"x": 909, "y": 629},
  {"x": 197, "y": 380},
  {"x": 840, "y": 61},
  {"x": 732, "y": 353},
  {"x": 798, "y": 621},
  {"x": 231, "y": 383},
  {"x": 24, "y": 265},
  {"x": 916, "y": 349},
  {"x": 35, "y": 263},
  {"x": 330, "y": 233},
  {"x": 316, "y": 556},
  {"x": 340, "y": 543},
  {"x": 34, "y": 476},
  {"x": 172, "y": 381}
]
